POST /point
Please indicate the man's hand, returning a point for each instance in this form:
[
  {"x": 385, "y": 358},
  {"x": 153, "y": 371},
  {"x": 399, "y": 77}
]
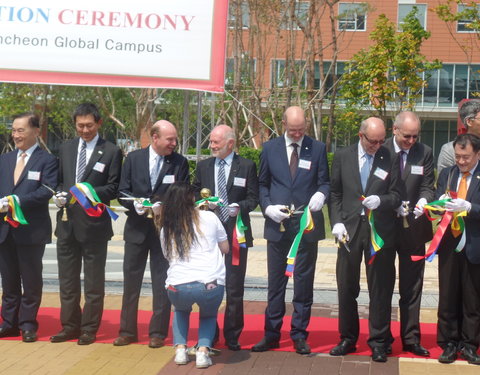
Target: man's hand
[
  {"x": 233, "y": 209},
  {"x": 402, "y": 210},
  {"x": 418, "y": 210},
  {"x": 275, "y": 213},
  {"x": 157, "y": 208},
  {"x": 458, "y": 205},
  {"x": 212, "y": 205},
  {"x": 3, "y": 205},
  {"x": 340, "y": 232},
  {"x": 60, "y": 199},
  {"x": 139, "y": 209},
  {"x": 371, "y": 202},
  {"x": 316, "y": 201}
]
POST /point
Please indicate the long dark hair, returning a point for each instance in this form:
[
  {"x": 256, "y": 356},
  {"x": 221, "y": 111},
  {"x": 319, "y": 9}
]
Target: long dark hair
[{"x": 178, "y": 219}]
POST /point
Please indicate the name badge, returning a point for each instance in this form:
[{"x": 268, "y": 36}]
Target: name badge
[
  {"x": 168, "y": 179},
  {"x": 239, "y": 181},
  {"x": 99, "y": 167},
  {"x": 33, "y": 175},
  {"x": 305, "y": 164},
  {"x": 417, "y": 169},
  {"x": 380, "y": 173}
]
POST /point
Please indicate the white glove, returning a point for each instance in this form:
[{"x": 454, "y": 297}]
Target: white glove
[
  {"x": 233, "y": 209},
  {"x": 316, "y": 202},
  {"x": 3, "y": 204},
  {"x": 139, "y": 207},
  {"x": 274, "y": 212},
  {"x": 418, "y": 210},
  {"x": 444, "y": 196},
  {"x": 458, "y": 205},
  {"x": 402, "y": 210},
  {"x": 157, "y": 208},
  {"x": 212, "y": 205},
  {"x": 60, "y": 199},
  {"x": 371, "y": 202},
  {"x": 340, "y": 232}
]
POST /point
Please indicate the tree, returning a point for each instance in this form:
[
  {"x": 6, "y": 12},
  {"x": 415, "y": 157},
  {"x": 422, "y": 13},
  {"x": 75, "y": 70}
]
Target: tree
[{"x": 388, "y": 75}]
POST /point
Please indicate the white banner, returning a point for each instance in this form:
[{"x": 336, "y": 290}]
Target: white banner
[{"x": 162, "y": 43}]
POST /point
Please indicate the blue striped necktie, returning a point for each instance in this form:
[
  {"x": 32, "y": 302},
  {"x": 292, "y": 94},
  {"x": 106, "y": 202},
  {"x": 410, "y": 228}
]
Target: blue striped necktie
[
  {"x": 82, "y": 161},
  {"x": 222, "y": 191}
]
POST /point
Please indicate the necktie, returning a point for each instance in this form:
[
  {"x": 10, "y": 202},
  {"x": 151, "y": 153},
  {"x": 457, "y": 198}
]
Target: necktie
[
  {"x": 294, "y": 160},
  {"x": 365, "y": 170},
  {"x": 82, "y": 161},
  {"x": 222, "y": 191},
  {"x": 155, "y": 171},
  {"x": 462, "y": 188},
  {"x": 402, "y": 161},
  {"x": 19, "y": 167}
]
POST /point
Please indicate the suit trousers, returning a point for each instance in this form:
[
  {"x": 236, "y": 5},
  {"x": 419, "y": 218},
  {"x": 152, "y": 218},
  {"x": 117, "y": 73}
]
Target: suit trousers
[
  {"x": 380, "y": 280},
  {"x": 21, "y": 265},
  {"x": 459, "y": 299},
  {"x": 70, "y": 254},
  {"x": 410, "y": 275},
  {"x": 134, "y": 263},
  {"x": 302, "y": 287},
  {"x": 234, "y": 282}
]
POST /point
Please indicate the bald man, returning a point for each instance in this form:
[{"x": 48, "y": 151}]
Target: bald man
[
  {"x": 240, "y": 183},
  {"x": 147, "y": 173},
  {"x": 293, "y": 174},
  {"x": 365, "y": 169}
]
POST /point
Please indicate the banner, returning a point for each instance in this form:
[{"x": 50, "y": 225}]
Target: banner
[{"x": 162, "y": 43}]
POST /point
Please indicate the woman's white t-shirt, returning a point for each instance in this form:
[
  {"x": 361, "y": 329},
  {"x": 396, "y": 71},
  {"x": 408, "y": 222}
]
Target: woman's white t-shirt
[{"x": 205, "y": 261}]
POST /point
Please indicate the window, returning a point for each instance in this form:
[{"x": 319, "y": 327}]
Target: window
[
  {"x": 352, "y": 16},
  {"x": 285, "y": 76},
  {"x": 468, "y": 15},
  {"x": 299, "y": 18},
  {"x": 405, "y": 9},
  {"x": 238, "y": 9},
  {"x": 246, "y": 68}
]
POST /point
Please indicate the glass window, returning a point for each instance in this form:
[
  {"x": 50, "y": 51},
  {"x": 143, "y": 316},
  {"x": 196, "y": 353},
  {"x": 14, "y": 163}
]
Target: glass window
[
  {"x": 461, "y": 80},
  {"x": 430, "y": 92},
  {"x": 248, "y": 65},
  {"x": 352, "y": 16},
  {"x": 474, "y": 83},
  {"x": 404, "y": 9},
  {"x": 233, "y": 12},
  {"x": 283, "y": 77},
  {"x": 445, "y": 92},
  {"x": 299, "y": 18},
  {"x": 468, "y": 15}
]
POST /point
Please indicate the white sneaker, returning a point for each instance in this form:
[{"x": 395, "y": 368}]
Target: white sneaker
[
  {"x": 181, "y": 357},
  {"x": 202, "y": 359}
]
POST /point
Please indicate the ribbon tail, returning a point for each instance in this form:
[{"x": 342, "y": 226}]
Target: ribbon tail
[{"x": 235, "y": 249}]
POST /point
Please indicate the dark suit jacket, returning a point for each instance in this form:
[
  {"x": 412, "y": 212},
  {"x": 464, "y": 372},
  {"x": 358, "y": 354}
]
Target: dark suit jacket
[
  {"x": 277, "y": 186},
  {"x": 33, "y": 196},
  {"x": 448, "y": 180},
  {"x": 346, "y": 190},
  {"x": 105, "y": 155},
  {"x": 246, "y": 196},
  {"x": 416, "y": 186},
  {"x": 135, "y": 181}
]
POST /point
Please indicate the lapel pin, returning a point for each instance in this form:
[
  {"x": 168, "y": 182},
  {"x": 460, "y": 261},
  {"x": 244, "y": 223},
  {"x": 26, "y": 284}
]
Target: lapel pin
[
  {"x": 306, "y": 148},
  {"x": 100, "y": 152},
  {"x": 478, "y": 177},
  {"x": 381, "y": 157}
]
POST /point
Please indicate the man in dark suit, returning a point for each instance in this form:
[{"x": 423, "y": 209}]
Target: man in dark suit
[
  {"x": 23, "y": 172},
  {"x": 147, "y": 173},
  {"x": 365, "y": 169},
  {"x": 458, "y": 327},
  {"x": 294, "y": 175},
  {"x": 240, "y": 183},
  {"x": 412, "y": 230},
  {"x": 87, "y": 158}
]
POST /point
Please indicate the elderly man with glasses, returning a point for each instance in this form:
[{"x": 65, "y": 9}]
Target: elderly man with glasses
[{"x": 365, "y": 179}]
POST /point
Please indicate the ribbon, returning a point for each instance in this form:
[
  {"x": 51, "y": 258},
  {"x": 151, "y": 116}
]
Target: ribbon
[
  {"x": 306, "y": 225},
  {"x": 14, "y": 216},
  {"x": 209, "y": 199},
  {"x": 85, "y": 195},
  {"x": 376, "y": 242},
  {"x": 238, "y": 239}
]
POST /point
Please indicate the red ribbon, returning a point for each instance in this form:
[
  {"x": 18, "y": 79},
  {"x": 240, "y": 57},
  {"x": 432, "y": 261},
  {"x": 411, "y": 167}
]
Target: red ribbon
[{"x": 235, "y": 249}]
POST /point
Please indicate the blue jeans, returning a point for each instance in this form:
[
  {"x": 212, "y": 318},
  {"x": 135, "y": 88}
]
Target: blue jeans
[{"x": 183, "y": 299}]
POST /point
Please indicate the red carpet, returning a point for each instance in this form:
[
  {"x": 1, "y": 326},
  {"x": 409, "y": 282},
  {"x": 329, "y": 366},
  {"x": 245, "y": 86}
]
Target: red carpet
[{"x": 323, "y": 332}]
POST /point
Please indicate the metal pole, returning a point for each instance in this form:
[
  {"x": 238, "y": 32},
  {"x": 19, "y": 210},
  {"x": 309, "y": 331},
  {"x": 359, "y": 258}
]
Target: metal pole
[
  {"x": 186, "y": 122},
  {"x": 199, "y": 124}
]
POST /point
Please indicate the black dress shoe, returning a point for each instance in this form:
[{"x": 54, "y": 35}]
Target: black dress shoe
[
  {"x": 449, "y": 354},
  {"x": 234, "y": 346},
  {"x": 124, "y": 340},
  {"x": 64, "y": 335},
  {"x": 265, "y": 345},
  {"x": 301, "y": 346},
  {"x": 86, "y": 338},
  {"x": 9, "y": 332},
  {"x": 470, "y": 355},
  {"x": 416, "y": 349},
  {"x": 379, "y": 354},
  {"x": 388, "y": 349},
  {"x": 29, "y": 336},
  {"x": 343, "y": 348}
]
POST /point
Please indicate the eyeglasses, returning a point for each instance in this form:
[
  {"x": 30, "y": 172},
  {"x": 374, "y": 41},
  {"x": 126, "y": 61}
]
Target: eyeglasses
[
  {"x": 409, "y": 136},
  {"x": 372, "y": 142}
]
